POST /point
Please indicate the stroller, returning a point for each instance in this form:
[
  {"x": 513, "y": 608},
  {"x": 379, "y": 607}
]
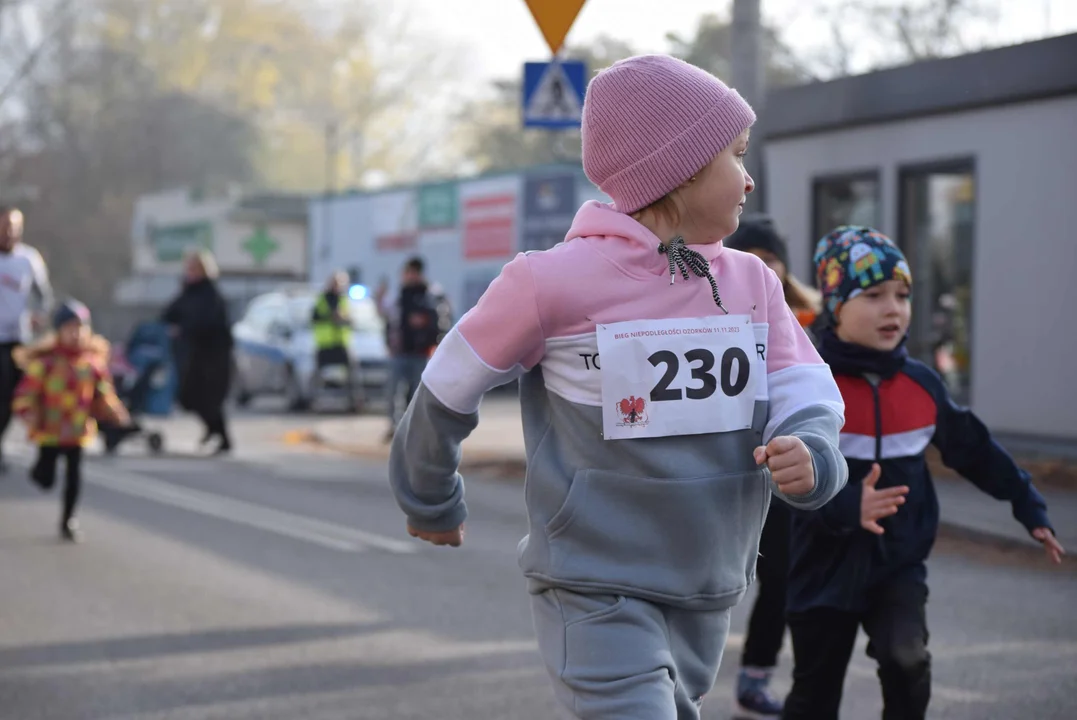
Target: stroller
[{"x": 144, "y": 376}]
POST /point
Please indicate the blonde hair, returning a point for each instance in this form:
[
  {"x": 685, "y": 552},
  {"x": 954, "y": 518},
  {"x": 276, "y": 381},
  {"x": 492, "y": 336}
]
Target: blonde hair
[
  {"x": 666, "y": 206},
  {"x": 207, "y": 261}
]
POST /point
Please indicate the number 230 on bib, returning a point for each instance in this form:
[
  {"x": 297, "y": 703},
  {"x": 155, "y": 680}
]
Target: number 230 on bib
[{"x": 688, "y": 376}]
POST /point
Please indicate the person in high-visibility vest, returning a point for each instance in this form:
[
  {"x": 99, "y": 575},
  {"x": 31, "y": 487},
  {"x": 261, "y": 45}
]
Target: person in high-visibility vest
[{"x": 332, "y": 327}]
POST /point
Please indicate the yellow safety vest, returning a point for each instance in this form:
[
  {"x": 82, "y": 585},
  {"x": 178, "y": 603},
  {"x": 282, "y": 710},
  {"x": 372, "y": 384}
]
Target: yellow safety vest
[{"x": 327, "y": 332}]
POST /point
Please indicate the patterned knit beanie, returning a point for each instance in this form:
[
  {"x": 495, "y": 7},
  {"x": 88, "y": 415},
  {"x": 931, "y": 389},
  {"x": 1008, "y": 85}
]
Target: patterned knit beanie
[
  {"x": 850, "y": 260},
  {"x": 652, "y": 122}
]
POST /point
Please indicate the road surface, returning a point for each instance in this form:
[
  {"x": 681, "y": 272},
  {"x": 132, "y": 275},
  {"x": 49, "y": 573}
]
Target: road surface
[{"x": 279, "y": 584}]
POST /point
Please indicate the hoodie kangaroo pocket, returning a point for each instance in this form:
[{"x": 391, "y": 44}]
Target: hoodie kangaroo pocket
[{"x": 682, "y": 539}]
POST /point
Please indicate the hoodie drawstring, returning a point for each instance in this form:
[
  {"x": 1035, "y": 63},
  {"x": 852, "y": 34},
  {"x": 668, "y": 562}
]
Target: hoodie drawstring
[{"x": 682, "y": 258}]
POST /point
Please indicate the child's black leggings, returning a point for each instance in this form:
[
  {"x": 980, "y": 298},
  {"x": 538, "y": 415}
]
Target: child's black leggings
[
  {"x": 823, "y": 639},
  {"x": 44, "y": 473},
  {"x": 766, "y": 625}
]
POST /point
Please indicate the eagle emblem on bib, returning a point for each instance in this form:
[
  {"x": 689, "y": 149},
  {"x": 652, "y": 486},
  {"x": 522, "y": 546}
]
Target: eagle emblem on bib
[{"x": 633, "y": 411}]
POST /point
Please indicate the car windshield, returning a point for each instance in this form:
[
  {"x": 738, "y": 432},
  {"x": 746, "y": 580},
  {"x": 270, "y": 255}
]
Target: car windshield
[{"x": 364, "y": 314}]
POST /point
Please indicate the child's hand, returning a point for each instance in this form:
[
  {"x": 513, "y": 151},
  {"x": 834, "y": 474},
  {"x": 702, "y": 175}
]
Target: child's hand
[
  {"x": 790, "y": 464},
  {"x": 453, "y": 538},
  {"x": 877, "y": 504},
  {"x": 1050, "y": 545}
]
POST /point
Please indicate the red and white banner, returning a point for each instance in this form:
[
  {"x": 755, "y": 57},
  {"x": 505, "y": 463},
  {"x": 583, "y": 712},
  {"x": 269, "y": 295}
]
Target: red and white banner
[{"x": 489, "y": 226}]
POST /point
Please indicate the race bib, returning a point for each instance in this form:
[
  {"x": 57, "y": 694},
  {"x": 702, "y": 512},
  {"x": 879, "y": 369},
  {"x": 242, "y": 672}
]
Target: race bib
[{"x": 689, "y": 376}]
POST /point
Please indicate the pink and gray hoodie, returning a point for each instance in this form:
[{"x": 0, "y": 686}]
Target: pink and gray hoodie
[{"x": 673, "y": 520}]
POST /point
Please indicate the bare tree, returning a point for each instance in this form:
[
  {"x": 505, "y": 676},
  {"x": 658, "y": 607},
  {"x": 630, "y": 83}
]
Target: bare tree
[
  {"x": 27, "y": 55},
  {"x": 903, "y": 31},
  {"x": 99, "y": 132},
  {"x": 711, "y": 47}
]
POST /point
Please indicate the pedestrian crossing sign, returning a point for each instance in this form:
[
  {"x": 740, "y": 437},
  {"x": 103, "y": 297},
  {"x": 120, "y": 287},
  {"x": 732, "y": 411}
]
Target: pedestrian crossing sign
[{"x": 553, "y": 93}]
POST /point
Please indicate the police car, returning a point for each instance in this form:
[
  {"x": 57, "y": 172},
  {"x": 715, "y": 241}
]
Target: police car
[{"x": 275, "y": 352}]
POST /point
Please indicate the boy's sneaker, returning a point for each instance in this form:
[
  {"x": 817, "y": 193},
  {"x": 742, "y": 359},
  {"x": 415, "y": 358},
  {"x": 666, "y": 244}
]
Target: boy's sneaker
[{"x": 754, "y": 701}]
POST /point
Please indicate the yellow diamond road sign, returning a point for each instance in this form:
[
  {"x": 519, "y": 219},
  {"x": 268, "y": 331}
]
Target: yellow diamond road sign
[{"x": 555, "y": 18}]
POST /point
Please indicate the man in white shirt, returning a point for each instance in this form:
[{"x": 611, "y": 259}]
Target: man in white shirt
[{"x": 22, "y": 273}]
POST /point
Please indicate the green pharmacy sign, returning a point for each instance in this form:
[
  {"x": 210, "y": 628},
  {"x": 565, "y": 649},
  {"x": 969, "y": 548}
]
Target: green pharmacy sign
[
  {"x": 437, "y": 206},
  {"x": 260, "y": 245}
]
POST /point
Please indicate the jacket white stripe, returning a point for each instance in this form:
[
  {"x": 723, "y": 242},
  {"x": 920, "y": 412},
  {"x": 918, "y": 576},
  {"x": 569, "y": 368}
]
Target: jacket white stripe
[
  {"x": 895, "y": 445},
  {"x": 570, "y": 371},
  {"x": 458, "y": 377},
  {"x": 798, "y": 387}
]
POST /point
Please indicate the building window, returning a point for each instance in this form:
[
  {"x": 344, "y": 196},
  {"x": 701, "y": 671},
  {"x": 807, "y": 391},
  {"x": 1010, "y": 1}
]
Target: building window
[
  {"x": 938, "y": 205},
  {"x": 851, "y": 199}
]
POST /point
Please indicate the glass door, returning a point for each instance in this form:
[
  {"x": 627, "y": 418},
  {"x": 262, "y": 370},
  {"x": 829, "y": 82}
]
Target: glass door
[{"x": 937, "y": 234}]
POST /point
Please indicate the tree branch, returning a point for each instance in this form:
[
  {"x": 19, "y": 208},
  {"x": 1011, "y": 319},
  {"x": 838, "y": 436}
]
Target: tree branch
[{"x": 32, "y": 59}]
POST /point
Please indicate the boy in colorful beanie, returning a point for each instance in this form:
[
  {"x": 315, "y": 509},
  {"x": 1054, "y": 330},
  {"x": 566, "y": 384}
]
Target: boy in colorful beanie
[
  {"x": 859, "y": 561},
  {"x": 66, "y": 385},
  {"x": 666, "y": 389}
]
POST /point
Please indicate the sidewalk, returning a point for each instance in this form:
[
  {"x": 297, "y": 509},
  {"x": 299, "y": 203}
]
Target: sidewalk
[
  {"x": 496, "y": 446},
  {"x": 497, "y": 443}
]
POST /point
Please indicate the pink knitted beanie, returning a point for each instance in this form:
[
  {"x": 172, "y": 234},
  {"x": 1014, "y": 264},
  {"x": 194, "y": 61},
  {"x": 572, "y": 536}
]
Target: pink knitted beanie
[{"x": 651, "y": 122}]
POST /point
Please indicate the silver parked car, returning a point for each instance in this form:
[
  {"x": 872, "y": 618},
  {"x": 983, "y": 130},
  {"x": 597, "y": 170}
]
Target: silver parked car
[{"x": 275, "y": 353}]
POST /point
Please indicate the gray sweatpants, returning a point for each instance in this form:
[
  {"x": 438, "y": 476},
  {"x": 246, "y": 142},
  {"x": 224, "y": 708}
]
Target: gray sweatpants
[{"x": 617, "y": 658}]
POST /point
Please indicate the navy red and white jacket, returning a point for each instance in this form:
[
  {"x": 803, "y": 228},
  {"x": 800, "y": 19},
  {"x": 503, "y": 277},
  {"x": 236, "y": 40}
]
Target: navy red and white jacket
[{"x": 834, "y": 561}]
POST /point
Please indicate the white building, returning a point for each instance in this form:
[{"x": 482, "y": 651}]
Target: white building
[
  {"x": 465, "y": 230},
  {"x": 970, "y": 164},
  {"x": 259, "y": 242}
]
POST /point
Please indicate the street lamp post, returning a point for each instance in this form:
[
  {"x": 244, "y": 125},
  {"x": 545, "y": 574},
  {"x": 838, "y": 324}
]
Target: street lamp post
[{"x": 749, "y": 81}]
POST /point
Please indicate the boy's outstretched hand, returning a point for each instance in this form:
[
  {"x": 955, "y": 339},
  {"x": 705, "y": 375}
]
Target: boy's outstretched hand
[
  {"x": 877, "y": 504},
  {"x": 790, "y": 464},
  {"x": 453, "y": 538},
  {"x": 1051, "y": 546}
]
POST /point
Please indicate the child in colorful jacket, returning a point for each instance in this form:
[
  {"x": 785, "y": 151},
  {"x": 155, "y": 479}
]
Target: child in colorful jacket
[
  {"x": 859, "y": 560},
  {"x": 666, "y": 389},
  {"x": 66, "y": 386}
]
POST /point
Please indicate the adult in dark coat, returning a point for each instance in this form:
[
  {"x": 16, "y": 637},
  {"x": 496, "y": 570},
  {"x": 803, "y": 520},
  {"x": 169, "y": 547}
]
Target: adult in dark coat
[{"x": 199, "y": 318}]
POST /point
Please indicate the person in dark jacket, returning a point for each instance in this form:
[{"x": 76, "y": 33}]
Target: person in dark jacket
[
  {"x": 415, "y": 325},
  {"x": 199, "y": 317},
  {"x": 859, "y": 560},
  {"x": 758, "y": 235}
]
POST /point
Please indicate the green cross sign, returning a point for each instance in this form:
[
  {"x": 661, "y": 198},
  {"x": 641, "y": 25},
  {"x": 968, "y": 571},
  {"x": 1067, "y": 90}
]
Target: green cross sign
[{"x": 260, "y": 245}]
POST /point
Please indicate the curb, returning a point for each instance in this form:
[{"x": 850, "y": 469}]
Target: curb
[
  {"x": 513, "y": 469},
  {"x": 996, "y": 541},
  {"x": 504, "y": 466},
  {"x": 1054, "y": 473},
  {"x": 1027, "y": 554}
]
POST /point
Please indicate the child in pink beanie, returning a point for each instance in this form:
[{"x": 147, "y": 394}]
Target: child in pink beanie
[{"x": 667, "y": 392}]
